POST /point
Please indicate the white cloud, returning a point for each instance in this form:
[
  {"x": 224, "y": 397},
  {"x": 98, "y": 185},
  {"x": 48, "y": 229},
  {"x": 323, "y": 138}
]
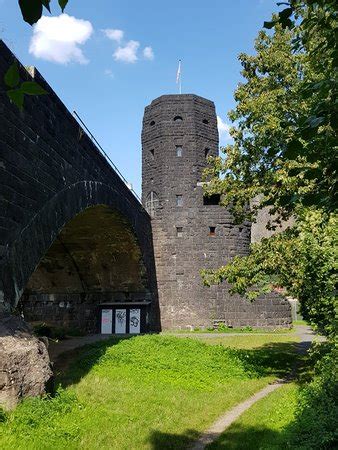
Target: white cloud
[
  {"x": 223, "y": 130},
  {"x": 148, "y": 53},
  {"x": 109, "y": 73},
  {"x": 57, "y": 39},
  {"x": 128, "y": 53},
  {"x": 114, "y": 35}
]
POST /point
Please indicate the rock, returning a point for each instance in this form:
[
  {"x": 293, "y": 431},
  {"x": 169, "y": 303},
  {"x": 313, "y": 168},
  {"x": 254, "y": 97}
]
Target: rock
[{"x": 25, "y": 369}]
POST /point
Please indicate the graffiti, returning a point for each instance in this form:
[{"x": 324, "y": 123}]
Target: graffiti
[{"x": 121, "y": 316}]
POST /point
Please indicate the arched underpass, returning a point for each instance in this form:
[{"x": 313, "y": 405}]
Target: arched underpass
[{"x": 94, "y": 263}]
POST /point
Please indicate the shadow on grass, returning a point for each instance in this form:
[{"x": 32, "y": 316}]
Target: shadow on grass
[
  {"x": 71, "y": 366},
  {"x": 236, "y": 438},
  {"x": 167, "y": 441},
  {"x": 277, "y": 359}
]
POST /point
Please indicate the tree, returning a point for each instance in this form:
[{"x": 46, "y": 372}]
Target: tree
[
  {"x": 32, "y": 9},
  {"x": 284, "y": 155}
]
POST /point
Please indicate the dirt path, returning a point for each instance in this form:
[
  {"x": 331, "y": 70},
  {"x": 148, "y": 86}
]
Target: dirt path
[{"x": 306, "y": 337}]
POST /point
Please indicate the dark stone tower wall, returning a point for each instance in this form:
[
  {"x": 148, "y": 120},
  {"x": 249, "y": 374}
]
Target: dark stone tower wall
[{"x": 184, "y": 240}]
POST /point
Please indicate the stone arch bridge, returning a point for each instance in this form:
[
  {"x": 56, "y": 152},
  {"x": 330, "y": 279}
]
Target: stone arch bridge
[{"x": 72, "y": 234}]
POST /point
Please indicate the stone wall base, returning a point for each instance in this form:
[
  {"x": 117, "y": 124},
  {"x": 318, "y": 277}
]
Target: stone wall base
[{"x": 267, "y": 311}]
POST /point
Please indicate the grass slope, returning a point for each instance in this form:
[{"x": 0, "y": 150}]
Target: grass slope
[{"x": 147, "y": 392}]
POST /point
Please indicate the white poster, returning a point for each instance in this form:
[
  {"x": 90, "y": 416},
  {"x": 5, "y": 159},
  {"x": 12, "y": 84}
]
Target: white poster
[
  {"x": 134, "y": 321},
  {"x": 106, "y": 321},
  {"x": 120, "y": 321}
]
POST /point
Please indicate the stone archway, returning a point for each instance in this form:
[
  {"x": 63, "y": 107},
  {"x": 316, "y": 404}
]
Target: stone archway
[{"x": 94, "y": 259}]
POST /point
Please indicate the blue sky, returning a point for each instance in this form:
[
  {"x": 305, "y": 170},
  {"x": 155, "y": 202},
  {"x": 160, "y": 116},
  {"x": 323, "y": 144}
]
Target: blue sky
[{"x": 109, "y": 76}]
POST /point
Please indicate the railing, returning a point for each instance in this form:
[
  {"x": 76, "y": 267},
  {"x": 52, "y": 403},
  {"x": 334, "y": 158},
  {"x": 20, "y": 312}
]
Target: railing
[{"x": 97, "y": 144}]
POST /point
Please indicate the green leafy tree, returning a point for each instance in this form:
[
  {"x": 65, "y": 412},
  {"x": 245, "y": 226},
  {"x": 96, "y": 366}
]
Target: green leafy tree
[{"x": 283, "y": 155}]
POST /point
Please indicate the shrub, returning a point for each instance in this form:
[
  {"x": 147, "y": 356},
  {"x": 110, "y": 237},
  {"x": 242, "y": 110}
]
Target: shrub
[{"x": 316, "y": 421}]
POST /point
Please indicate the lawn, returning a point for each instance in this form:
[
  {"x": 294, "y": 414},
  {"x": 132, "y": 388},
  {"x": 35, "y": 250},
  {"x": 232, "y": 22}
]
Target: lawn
[
  {"x": 146, "y": 392},
  {"x": 273, "y": 341}
]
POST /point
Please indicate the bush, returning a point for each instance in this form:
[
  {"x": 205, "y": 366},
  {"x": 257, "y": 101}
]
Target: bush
[{"x": 316, "y": 421}]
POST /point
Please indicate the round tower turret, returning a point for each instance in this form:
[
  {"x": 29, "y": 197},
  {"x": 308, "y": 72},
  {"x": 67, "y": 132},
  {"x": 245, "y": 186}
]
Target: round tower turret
[{"x": 190, "y": 231}]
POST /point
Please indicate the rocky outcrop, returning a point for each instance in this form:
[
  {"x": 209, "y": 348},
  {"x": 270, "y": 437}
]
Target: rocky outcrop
[{"x": 25, "y": 369}]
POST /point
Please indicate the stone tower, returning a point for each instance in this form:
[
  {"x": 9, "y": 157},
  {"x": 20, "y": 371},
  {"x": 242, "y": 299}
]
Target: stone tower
[{"x": 190, "y": 231}]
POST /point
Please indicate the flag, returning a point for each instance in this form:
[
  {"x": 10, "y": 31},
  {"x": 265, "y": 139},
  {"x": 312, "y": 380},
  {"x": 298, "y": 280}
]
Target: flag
[{"x": 178, "y": 74}]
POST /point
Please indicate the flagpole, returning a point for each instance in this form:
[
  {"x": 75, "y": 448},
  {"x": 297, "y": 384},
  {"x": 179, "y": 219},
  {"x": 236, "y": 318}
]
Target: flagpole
[
  {"x": 179, "y": 78},
  {"x": 180, "y": 85}
]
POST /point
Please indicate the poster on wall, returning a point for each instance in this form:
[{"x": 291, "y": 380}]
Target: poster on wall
[
  {"x": 106, "y": 321},
  {"x": 134, "y": 321},
  {"x": 120, "y": 321}
]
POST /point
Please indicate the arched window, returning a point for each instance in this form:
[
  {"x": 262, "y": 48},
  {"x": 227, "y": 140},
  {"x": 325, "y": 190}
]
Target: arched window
[
  {"x": 152, "y": 123},
  {"x": 178, "y": 119},
  {"x": 206, "y": 152},
  {"x": 179, "y": 151},
  {"x": 152, "y": 203}
]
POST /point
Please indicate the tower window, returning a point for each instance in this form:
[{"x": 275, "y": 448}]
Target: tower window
[
  {"x": 179, "y": 151},
  {"x": 212, "y": 231},
  {"x": 152, "y": 153},
  {"x": 152, "y": 203},
  {"x": 179, "y": 231},
  {"x": 205, "y": 121},
  {"x": 206, "y": 152},
  {"x": 178, "y": 119},
  {"x": 152, "y": 123},
  {"x": 179, "y": 200},
  {"x": 213, "y": 199}
]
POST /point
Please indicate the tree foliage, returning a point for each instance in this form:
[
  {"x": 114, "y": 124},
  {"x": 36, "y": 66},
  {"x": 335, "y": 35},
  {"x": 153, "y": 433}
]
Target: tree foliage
[
  {"x": 31, "y": 10},
  {"x": 285, "y": 118},
  {"x": 283, "y": 156},
  {"x": 16, "y": 90}
]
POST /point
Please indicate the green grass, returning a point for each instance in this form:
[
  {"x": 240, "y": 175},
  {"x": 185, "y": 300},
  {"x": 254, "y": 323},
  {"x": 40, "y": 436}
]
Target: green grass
[
  {"x": 249, "y": 342},
  {"x": 227, "y": 330},
  {"x": 264, "y": 426},
  {"x": 146, "y": 392},
  {"x": 299, "y": 322}
]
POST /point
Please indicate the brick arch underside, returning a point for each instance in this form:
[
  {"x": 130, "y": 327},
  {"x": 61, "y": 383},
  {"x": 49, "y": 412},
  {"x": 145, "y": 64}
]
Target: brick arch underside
[{"x": 85, "y": 246}]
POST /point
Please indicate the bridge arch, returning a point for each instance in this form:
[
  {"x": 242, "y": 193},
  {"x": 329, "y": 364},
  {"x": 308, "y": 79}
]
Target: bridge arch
[{"x": 119, "y": 262}]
